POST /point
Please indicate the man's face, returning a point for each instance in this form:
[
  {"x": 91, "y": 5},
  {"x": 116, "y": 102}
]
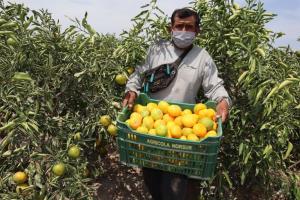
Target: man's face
[{"x": 185, "y": 24}]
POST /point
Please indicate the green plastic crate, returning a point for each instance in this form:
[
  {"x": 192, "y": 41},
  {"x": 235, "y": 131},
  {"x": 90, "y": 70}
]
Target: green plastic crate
[{"x": 195, "y": 159}]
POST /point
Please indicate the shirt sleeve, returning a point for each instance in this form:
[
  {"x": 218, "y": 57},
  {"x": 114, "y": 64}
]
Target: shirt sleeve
[
  {"x": 135, "y": 81},
  {"x": 213, "y": 85}
]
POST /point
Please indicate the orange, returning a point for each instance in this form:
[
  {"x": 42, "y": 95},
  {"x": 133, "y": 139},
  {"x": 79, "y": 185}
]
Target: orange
[
  {"x": 192, "y": 137},
  {"x": 159, "y": 122},
  {"x": 142, "y": 129},
  {"x": 199, "y": 130},
  {"x": 187, "y": 131},
  {"x": 175, "y": 131},
  {"x": 138, "y": 108},
  {"x": 198, "y": 107},
  {"x": 169, "y": 134},
  {"x": 135, "y": 115},
  {"x": 167, "y": 118},
  {"x": 211, "y": 134},
  {"x": 162, "y": 130},
  {"x": 215, "y": 126},
  {"x": 196, "y": 117},
  {"x": 183, "y": 137},
  {"x": 163, "y": 106},
  {"x": 188, "y": 120},
  {"x": 145, "y": 113},
  {"x": 202, "y": 113},
  {"x": 170, "y": 124},
  {"x": 211, "y": 113},
  {"x": 156, "y": 114},
  {"x": 74, "y": 152},
  {"x": 121, "y": 79},
  {"x": 20, "y": 177},
  {"x": 59, "y": 169},
  {"x": 207, "y": 122},
  {"x": 152, "y": 132},
  {"x": 148, "y": 122},
  {"x": 130, "y": 70},
  {"x": 112, "y": 130},
  {"x": 135, "y": 122},
  {"x": 151, "y": 106},
  {"x": 178, "y": 121},
  {"x": 186, "y": 111},
  {"x": 174, "y": 110},
  {"x": 105, "y": 120}
]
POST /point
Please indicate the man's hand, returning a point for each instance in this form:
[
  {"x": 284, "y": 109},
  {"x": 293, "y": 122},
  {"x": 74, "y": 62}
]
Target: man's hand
[
  {"x": 129, "y": 99},
  {"x": 222, "y": 110}
]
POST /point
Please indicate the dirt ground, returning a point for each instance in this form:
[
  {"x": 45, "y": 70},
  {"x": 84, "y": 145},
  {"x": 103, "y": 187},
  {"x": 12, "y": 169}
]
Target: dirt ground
[{"x": 120, "y": 182}]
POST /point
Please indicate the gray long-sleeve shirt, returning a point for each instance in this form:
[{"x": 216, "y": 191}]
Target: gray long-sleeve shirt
[{"x": 196, "y": 70}]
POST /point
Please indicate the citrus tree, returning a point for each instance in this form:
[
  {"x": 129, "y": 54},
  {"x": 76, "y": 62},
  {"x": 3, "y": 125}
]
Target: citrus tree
[{"x": 55, "y": 85}]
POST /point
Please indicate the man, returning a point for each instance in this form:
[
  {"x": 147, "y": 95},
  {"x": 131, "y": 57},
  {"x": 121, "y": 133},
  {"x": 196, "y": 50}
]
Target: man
[{"x": 196, "y": 71}]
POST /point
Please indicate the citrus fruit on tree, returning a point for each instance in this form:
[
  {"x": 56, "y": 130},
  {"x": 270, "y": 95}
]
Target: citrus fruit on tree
[
  {"x": 59, "y": 169},
  {"x": 130, "y": 70},
  {"x": 20, "y": 177},
  {"x": 74, "y": 152},
  {"x": 121, "y": 79},
  {"x": 112, "y": 130},
  {"x": 105, "y": 120},
  {"x": 11, "y": 42},
  {"x": 77, "y": 136}
]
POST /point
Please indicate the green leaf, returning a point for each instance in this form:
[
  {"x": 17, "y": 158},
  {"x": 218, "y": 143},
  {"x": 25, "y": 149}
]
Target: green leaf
[
  {"x": 227, "y": 179},
  {"x": 241, "y": 148},
  {"x": 288, "y": 151}
]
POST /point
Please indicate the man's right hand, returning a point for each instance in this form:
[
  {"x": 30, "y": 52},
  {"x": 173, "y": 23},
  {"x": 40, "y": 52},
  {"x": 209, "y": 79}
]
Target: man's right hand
[{"x": 129, "y": 99}]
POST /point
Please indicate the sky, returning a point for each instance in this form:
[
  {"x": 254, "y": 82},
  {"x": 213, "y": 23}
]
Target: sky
[{"x": 113, "y": 16}]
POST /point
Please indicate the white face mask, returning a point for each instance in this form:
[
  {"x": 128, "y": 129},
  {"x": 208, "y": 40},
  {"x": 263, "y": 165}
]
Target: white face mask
[{"x": 183, "y": 39}]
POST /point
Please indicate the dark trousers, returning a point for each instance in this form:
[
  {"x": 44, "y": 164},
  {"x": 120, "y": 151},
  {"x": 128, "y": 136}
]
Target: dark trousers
[{"x": 169, "y": 186}]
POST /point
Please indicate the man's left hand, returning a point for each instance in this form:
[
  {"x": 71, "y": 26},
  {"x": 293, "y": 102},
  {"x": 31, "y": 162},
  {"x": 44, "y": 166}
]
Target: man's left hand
[{"x": 222, "y": 110}]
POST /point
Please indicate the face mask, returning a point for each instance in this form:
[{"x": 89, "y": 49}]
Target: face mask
[{"x": 183, "y": 39}]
